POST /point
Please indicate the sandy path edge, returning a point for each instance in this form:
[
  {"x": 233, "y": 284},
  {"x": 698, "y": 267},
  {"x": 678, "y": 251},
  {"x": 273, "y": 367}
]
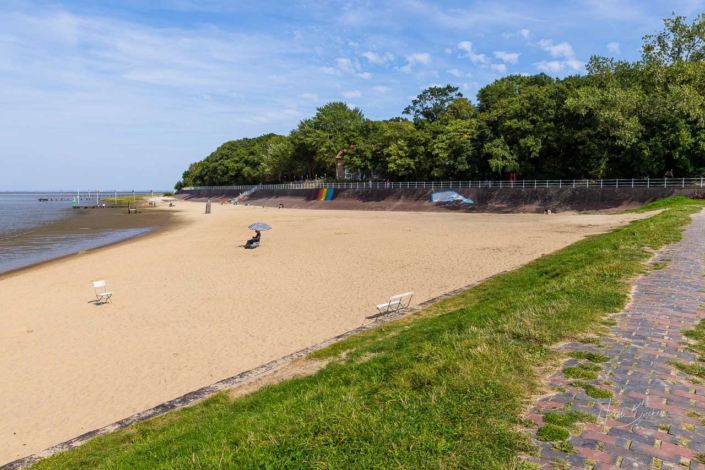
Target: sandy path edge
[{"x": 203, "y": 393}]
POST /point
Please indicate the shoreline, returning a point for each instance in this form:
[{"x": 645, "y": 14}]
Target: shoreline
[{"x": 156, "y": 220}]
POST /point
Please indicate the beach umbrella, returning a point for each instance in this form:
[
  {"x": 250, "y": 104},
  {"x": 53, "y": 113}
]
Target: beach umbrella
[{"x": 261, "y": 226}]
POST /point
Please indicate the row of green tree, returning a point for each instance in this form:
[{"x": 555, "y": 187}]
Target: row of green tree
[{"x": 620, "y": 119}]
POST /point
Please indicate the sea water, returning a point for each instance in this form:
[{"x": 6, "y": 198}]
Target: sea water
[{"x": 28, "y": 235}]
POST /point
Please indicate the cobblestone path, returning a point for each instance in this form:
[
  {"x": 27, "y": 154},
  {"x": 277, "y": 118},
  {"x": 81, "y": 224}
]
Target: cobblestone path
[{"x": 656, "y": 418}]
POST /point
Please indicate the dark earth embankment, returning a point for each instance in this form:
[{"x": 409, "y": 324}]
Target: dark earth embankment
[{"x": 486, "y": 200}]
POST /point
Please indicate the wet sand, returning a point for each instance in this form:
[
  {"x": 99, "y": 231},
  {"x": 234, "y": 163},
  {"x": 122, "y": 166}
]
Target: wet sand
[
  {"x": 191, "y": 308},
  {"x": 81, "y": 229}
]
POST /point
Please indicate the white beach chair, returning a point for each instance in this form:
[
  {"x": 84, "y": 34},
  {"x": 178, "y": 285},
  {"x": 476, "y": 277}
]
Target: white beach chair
[
  {"x": 396, "y": 303},
  {"x": 101, "y": 292}
]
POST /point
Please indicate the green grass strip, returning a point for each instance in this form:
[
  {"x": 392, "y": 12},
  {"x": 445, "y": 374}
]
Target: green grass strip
[
  {"x": 669, "y": 203},
  {"x": 444, "y": 388}
]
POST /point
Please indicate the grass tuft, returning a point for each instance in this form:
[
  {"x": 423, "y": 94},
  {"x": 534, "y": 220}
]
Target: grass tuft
[
  {"x": 592, "y": 391},
  {"x": 529, "y": 466},
  {"x": 579, "y": 373},
  {"x": 560, "y": 464},
  {"x": 696, "y": 370},
  {"x": 697, "y": 334},
  {"x": 564, "y": 446},
  {"x": 552, "y": 433},
  {"x": 568, "y": 419},
  {"x": 443, "y": 388},
  {"x": 590, "y": 356}
]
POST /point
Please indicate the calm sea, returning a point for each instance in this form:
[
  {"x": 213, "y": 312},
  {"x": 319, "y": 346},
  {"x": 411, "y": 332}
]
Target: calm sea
[{"x": 30, "y": 230}]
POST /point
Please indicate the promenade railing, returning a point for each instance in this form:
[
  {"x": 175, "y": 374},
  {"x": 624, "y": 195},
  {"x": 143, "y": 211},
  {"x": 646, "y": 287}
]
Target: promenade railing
[{"x": 683, "y": 183}]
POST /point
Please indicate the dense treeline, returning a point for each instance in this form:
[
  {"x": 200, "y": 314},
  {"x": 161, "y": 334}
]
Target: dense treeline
[{"x": 621, "y": 119}]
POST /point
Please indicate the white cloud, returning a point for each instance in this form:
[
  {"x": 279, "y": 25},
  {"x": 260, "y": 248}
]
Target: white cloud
[
  {"x": 562, "y": 50},
  {"x": 346, "y": 65},
  {"x": 459, "y": 74},
  {"x": 483, "y": 61},
  {"x": 378, "y": 59},
  {"x": 343, "y": 65},
  {"x": 419, "y": 58},
  {"x": 556, "y": 66},
  {"x": 524, "y": 33},
  {"x": 381, "y": 89},
  {"x": 558, "y": 50},
  {"x": 613, "y": 47},
  {"x": 352, "y": 94},
  {"x": 507, "y": 57},
  {"x": 466, "y": 46},
  {"x": 553, "y": 66},
  {"x": 416, "y": 58},
  {"x": 575, "y": 64},
  {"x": 310, "y": 96}
]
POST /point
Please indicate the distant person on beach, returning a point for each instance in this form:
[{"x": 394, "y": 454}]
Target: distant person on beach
[{"x": 256, "y": 238}]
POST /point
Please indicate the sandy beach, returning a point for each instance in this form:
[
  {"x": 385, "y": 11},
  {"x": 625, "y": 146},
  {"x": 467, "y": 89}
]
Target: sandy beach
[{"x": 191, "y": 308}]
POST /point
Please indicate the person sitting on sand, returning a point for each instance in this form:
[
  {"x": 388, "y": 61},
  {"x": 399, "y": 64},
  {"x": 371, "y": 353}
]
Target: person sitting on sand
[{"x": 256, "y": 238}]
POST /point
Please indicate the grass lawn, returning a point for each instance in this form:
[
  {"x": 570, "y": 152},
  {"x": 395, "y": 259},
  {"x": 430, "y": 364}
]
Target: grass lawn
[{"x": 443, "y": 388}]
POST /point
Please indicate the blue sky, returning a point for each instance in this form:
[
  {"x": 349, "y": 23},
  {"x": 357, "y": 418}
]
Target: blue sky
[{"x": 125, "y": 94}]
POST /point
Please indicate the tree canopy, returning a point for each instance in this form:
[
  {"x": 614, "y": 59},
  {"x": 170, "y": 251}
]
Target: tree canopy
[{"x": 620, "y": 119}]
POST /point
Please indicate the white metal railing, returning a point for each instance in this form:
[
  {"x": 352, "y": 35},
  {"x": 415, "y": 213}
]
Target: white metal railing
[{"x": 690, "y": 183}]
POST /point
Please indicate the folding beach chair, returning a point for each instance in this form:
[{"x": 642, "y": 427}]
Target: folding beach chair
[
  {"x": 101, "y": 292},
  {"x": 396, "y": 303}
]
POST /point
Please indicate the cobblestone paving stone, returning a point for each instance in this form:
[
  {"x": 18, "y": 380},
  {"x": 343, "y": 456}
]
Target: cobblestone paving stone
[{"x": 656, "y": 418}]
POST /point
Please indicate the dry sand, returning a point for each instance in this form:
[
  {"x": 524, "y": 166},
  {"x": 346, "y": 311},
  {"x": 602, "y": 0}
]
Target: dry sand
[{"x": 190, "y": 308}]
